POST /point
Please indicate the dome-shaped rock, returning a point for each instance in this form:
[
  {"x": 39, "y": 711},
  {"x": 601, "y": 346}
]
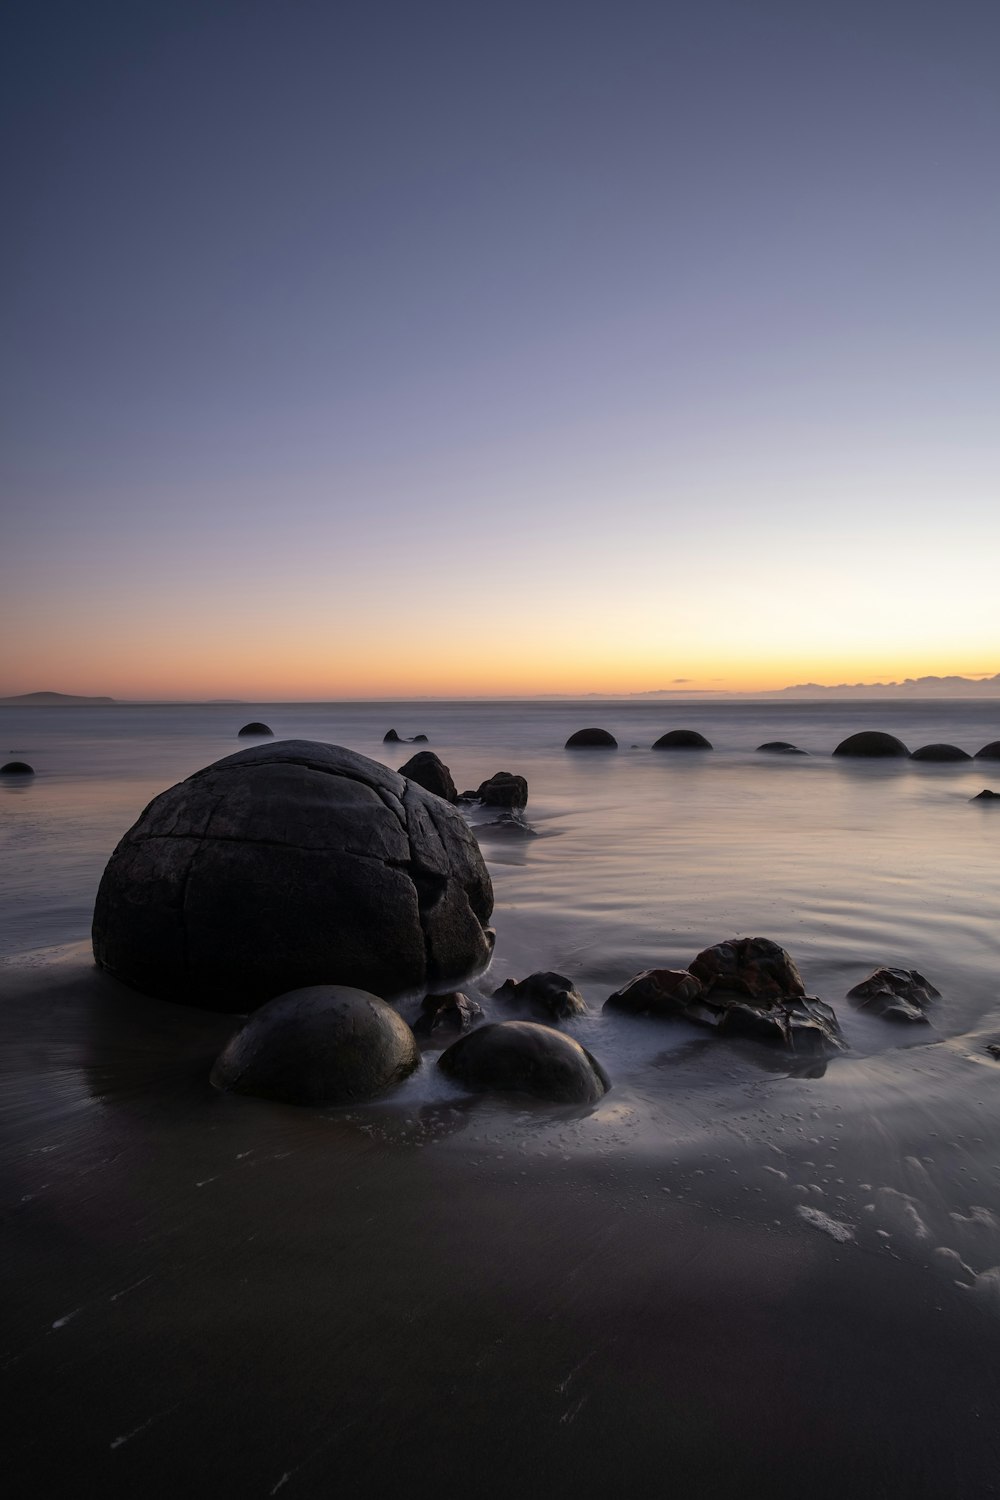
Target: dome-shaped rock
[
  {"x": 17, "y": 768},
  {"x": 940, "y": 752},
  {"x": 989, "y": 752},
  {"x": 781, "y": 747},
  {"x": 523, "y": 1057},
  {"x": 682, "y": 739},
  {"x": 256, "y": 728},
  {"x": 871, "y": 742},
  {"x": 748, "y": 966},
  {"x": 986, "y": 796},
  {"x": 503, "y": 789},
  {"x": 895, "y": 994},
  {"x": 546, "y": 994},
  {"x": 657, "y": 992},
  {"x": 326, "y": 1044},
  {"x": 287, "y": 865},
  {"x": 596, "y": 739},
  {"x": 429, "y": 771},
  {"x": 392, "y": 738}
]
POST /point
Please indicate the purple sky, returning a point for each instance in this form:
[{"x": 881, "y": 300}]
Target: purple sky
[{"x": 641, "y": 340}]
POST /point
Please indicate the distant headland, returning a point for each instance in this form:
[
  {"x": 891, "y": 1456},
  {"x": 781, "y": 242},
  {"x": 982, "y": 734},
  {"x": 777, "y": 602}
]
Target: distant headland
[{"x": 41, "y": 700}]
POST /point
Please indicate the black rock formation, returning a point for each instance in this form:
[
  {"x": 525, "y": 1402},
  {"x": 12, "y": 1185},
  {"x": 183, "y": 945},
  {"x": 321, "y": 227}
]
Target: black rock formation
[
  {"x": 593, "y": 739},
  {"x": 682, "y": 739},
  {"x": 429, "y": 771},
  {"x": 522, "y": 1057},
  {"x": 872, "y": 742},
  {"x": 546, "y": 994}
]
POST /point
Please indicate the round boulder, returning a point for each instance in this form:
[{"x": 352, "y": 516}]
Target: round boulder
[
  {"x": 257, "y": 729},
  {"x": 591, "y": 739},
  {"x": 429, "y": 771},
  {"x": 940, "y": 752},
  {"x": 989, "y": 752},
  {"x": 753, "y": 966},
  {"x": 872, "y": 742},
  {"x": 17, "y": 768},
  {"x": 327, "y": 1044},
  {"x": 781, "y": 747},
  {"x": 522, "y": 1057},
  {"x": 503, "y": 789},
  {"x": 682, "y": 739},
  {"x": 288, "y": 865},
  {"x": 657, "y": 992},
  {"x": 547, "y": 994}
]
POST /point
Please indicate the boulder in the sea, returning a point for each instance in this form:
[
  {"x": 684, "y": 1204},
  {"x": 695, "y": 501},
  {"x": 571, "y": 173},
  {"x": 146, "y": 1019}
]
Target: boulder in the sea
[
  {"x": 429, "y": 771},
  {"x": 293, "y": 864},
  {"x": 523, "y": 1057},
  {"x": 327, "y": 1044},
  {"x": 940, "y": 752},
  {"x": 657, "y": 992},
  {"x": 591, "y": 739},
  {"x": 547, "y": 994},
  {"x": 752, "y": 966},
  {"x": 256, "y": 730},
  {"x": 895, "y": 994},
  {"x": 682, "y": 739},
  {"x": 451, "y": 1012},
  {"x": 503, "y": 789},
  {"x": 872, "y": 743},
  {"x": 989, "y": 752},
  {"x": 781, "y": 747},
  {"x": 392, "y": 738},
  {"x": 986, "y": 796},
  {"x": 993, "y": 1048},
  {"x": 419, "y": 739},
  {"x": 17, "y": 768},
  {"x": 507, "y": 822}
]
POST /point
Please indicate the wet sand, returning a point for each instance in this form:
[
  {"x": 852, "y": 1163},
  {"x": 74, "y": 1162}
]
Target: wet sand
[{"x": 212, "y": 1295}]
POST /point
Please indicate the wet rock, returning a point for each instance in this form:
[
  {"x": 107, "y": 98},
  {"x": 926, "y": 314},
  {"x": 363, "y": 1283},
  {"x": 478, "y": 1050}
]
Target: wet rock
[
  {"x": 657, "y": 992},
  {"x": 989, "y": 752},
  {"x": 327, "y": 1044},
  {"x": 781, "y": 747},
  {"x": 993, "y": 1048},
  {"x": 522, "y": 1057},
  {"x": 940, "y": 752},
  {"x": 872, "y": 742},
  {"x": 452, "y": 1012},
  {"x": 595, "y": 739},
  {"x": 17, "y": 768},
  {"x": 256, "y": 729},
  {"x": 985, "y": 796},
  {"x": 429, "y": 771},
  {"x": 289, "y": 865},
  {"x": 682, "y": 739},
  {"x": 507, "y": 822},
  {"x": 895, "y": 994},
  {"x": 802, "y": 1023},
  {"x": 756, "y": 967},
  {"x": 545, "y": 994},
  {"x": 392, "y": 738},
  {"x": 419, "y": 739},
  {"x": 503, "y": 789}
]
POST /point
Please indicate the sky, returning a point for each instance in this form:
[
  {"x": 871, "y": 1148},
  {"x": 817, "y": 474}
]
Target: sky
[{"x": 374, "y": 349}]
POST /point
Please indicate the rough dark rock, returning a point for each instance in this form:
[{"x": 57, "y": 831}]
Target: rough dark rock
[
  {"x": 993, "y": 1048},
  {"x": 755, "y": 966},
  {"x": 452, "y": 1012},
  {"x": 523, "y": 1057},
  {"x": 546, "y": 994},
  {"x": 503, "y": 789},
  {"x": 940, "y": 752},
  {"x": 293, "y": 864},
  {"x": 595, "y": 739},
  {"x": 17, "y": 768},
  {"x": 419, "y": 739},
  {"x": 682, "y": 739},
  {"x": 507, "y": 822},
  {"x": 781, "y": 747},
  {"x": 392, "y": 738},
  {"x": 989, "y": 752},
  {"x": 657, "y": 992},
  {"x": 985, "y": 796},
  {"x": 327, "y": 1044},
  {"x": 871, "y": 742},
  {"x": 256, "y": 729},
  {"x": 429, "y": 771},
  {"x": 895, "y": 994}
]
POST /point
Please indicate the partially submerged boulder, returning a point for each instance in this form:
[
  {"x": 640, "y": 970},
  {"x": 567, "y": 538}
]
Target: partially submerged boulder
[
  {"x": 657, "y": 992},
  {"x": 255, "y": 730},
  {"x": 293, "y": 864},
  {"x": 503, "y": 789},
  {"x": 17, "y": 768},
  {"x": 755, "y": 966},
  {"x": 452, "y": 1012},
  {"x": 551, "y": 996},
  {"x": 682, "y": 739},
  {"x": 989, "y": 752},
  {"x": 327, "y": 1044},
  {"x": 940, "y": 752},
  {"x": 591, "y": 739},
  {"x": 507, "y": 823},
  {"x": 429, "y": 771},
  {"x": 895, "y": 994},
  {"x": 985, "y": 796},
  {"x": 781, "y": 747},
  {"x": 522, "y": 1057},
  {"x": 872, "y": 743}
]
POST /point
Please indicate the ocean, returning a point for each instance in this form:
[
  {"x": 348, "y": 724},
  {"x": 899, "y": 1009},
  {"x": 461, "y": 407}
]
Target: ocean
[{"x": 455, "y": 1265}]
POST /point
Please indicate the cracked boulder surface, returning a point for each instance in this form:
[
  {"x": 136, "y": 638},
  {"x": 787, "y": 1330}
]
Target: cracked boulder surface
[
  {"x": 895, "y": 994},
  {"x": 291, "y": 864}
]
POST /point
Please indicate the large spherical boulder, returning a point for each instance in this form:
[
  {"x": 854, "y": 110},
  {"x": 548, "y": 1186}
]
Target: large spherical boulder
[
  {"x": 522, "y": 1057},
  {"x": 429, "y": 771},
  {"x": 17, "y": 768},
  {"x": 940, "y": 752},
  {"x": 682, "y": 739},
  {"x": 591, "y": 739},
  {"x": 256, "y": 730},
  {"x": 989, "y": 752},
  {"x": 872, "y": 742},
  {"x": 327, "y": 1044},
  {"x": 293, "y": 864}
]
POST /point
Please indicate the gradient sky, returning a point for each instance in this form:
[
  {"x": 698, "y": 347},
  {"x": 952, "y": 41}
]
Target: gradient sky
[{"x": 364, "y": 349}]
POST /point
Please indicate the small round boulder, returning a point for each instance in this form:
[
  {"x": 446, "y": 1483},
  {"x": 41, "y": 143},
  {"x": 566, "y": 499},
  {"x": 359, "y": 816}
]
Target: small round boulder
[
  {"x": 682, "y": 739},
  {"x": 429, "y": 771},
  {"x": 257, "y": 730},
  {"x": 872, "y": 742},
  {"x": 523, "y": 1057},
  {"x": 989, "y": 752},
  {"x": 940, "y": 752},
  {"x": 17, "y": 768},
  {"x": 326, "y": 1044},
  {"x": 503, "y": 789},
  {"x": 591, "y": 739},
  {"x": 780, "y": 747}
]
